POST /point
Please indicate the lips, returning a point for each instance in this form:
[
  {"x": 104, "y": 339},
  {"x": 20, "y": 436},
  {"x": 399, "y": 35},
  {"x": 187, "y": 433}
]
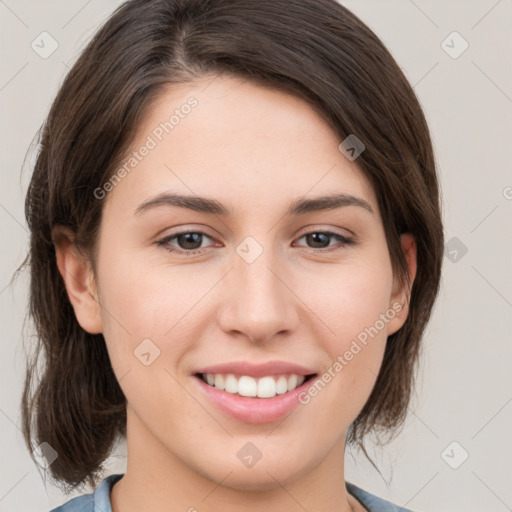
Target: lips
[
  {"x": 271, "y": 368},
  {"x": 265, "y": 407}
]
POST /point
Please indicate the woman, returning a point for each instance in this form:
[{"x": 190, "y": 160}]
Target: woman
[{"x": 236, "y": 245}]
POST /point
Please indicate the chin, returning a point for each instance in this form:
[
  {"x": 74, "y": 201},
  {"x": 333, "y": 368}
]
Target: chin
[
  {"x": 246, "y": 480},
  {"x": 260, "y": 477}
]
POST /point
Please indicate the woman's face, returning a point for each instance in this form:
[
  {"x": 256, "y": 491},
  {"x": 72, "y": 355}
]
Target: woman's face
[{"x": 253, "y": 282}]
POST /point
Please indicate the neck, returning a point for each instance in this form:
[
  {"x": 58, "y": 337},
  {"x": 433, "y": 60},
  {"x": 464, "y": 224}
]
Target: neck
[{"x": 160, "y": 480}]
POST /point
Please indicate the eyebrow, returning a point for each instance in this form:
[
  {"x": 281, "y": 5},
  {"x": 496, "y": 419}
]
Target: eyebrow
[{"x": 214, "y": 207}]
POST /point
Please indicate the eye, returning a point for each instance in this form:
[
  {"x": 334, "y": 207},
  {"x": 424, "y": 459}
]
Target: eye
[
  {"x": 189, "y": 242},
  {"x": 321, "y": 240}
]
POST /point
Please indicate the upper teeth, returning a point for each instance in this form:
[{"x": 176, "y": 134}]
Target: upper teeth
[{"x": 264, "y": 387}]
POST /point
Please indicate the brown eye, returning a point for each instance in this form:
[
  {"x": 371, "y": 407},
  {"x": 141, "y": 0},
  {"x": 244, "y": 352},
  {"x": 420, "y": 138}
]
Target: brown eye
[
  {"x": 321, "y": 239},
  {"x": 187, "y": 242}
]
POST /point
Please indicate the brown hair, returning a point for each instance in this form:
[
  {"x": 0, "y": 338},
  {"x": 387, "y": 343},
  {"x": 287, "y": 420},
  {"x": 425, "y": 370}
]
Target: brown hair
[{"x": 315, "y": 49}]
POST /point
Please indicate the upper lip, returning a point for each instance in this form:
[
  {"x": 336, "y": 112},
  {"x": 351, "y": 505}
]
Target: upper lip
[{"x": 257, "y": 370}]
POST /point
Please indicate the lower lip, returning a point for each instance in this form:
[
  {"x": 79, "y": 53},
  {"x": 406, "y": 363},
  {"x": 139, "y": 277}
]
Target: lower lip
[{"x": 254, "y": 410}]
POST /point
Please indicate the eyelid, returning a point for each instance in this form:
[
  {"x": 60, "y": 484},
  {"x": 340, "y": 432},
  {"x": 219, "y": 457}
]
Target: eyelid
[
  {"x": 345, "y": 233},
  {"x": 182, "y": 230}
]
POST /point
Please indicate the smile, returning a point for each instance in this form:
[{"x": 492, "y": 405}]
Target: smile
[
  {"x": 247, "y": 386},
  {"x": 254, "y": 392}
]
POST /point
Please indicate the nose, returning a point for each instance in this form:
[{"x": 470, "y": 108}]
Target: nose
[{"x": 257, "y": 301}]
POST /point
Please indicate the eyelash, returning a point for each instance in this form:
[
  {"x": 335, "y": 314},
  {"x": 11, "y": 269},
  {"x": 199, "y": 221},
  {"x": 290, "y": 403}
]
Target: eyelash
[{"x": 343, "y": 241}]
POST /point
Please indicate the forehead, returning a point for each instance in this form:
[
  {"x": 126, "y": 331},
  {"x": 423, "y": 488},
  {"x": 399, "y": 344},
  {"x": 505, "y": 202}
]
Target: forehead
[{"x": 237, "y": 141}]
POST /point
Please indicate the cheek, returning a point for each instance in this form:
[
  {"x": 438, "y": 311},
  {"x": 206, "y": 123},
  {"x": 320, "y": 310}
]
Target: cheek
[
  {"x": 150, "y": 309},
  {"x": 353, "y": 304},
  {"x": 148, "y": 327},
  {"x": 149, "y": 299},
  {"x": 349, "y": 298}
]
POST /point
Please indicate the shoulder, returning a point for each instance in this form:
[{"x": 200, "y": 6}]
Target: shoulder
[
  {"x": 99, "y": 500},
  {"x": 371, "y": 502}
]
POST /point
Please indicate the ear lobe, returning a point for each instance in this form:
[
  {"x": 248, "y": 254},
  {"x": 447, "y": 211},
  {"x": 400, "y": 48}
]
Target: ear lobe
[
  {"x": 401, "y": 294},
  {"x": 78, "y": 279}
]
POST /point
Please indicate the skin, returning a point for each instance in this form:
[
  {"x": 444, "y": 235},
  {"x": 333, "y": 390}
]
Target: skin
[{"x": 254, "y": 150}]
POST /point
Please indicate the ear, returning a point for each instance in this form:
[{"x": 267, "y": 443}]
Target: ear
[
  {"x": 401, "y": 294},
  {"x": 76, "y": 271}
]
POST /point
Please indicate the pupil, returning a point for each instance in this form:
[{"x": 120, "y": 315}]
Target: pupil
[
  {"x": 318, "y": 237},
  {"x": 190, "y": 239}
]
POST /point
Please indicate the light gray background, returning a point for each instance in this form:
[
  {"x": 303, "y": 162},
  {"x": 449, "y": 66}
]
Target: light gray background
[{"x": 464, "y": 389}]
